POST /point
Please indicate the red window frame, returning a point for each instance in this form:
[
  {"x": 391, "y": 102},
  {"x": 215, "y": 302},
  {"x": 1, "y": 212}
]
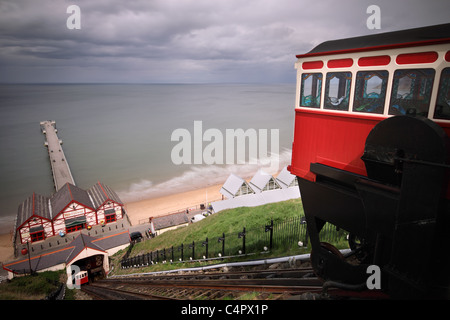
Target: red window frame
[
  {"x": 110, "y": 218},
  {"x": 37, "y": 236},
  {"x": 75, "y": 228}
]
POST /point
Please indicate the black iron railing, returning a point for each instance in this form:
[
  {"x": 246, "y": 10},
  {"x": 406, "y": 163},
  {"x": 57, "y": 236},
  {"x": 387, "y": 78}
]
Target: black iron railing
[{"x": 274, "y": 235}]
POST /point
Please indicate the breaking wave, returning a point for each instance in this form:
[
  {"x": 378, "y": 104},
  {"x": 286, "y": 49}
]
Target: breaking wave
[{"x": 202, "y": 176}]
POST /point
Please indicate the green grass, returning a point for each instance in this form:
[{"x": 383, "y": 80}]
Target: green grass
[
  {"x": 231, "y": 222},
  {"x": 34, "y": 287},
  {"x": 227, "y": 221}
]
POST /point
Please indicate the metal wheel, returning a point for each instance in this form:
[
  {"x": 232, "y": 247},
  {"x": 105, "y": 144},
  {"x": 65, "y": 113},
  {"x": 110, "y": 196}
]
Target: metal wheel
[{"x": 319, "y": 265}]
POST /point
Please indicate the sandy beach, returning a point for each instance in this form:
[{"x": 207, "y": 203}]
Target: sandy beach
[
  {"x": 6, "y": 248},
  {"x": 141, "y": 211}
]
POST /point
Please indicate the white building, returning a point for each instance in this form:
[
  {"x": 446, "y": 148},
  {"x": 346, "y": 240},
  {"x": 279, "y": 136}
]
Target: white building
[
  {"x": 286, "y": 179},
  {"x": 265, "y": 189},
  {"x": 263, "y": 181},
  {"x": 235, "y": 186}
]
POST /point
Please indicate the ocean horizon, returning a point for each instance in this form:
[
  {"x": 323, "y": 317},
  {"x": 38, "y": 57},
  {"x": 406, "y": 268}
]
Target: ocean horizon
[{"x": 120, "y": 135}]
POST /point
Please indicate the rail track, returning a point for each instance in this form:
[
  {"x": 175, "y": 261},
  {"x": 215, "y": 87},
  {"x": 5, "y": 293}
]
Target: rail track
[
  {"x": 267, "y": 284},
  {"x": 221, "y": 275},
  {"x": 261, "y": 285},
  {"x": 100, "y": 292}
]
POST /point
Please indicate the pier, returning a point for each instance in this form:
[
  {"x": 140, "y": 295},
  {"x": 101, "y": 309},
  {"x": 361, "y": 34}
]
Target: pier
[{"x": 60, "y": 167}]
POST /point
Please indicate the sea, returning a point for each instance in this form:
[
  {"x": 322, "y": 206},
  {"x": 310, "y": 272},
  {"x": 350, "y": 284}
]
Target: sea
[{"x": 122, "y": 135}]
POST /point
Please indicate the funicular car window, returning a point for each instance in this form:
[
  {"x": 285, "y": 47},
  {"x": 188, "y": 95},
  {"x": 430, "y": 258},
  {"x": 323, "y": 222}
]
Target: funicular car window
[
  {"x": 337, "y": 90},
  {"x": 370, "y": 91},
  {"x": 411, "y": 92},
  {"x": 311, "y": 88},
  {"x": 442, "y": 110}
]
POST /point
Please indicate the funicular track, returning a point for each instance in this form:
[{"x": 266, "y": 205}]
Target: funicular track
[
  {"x": 263, "y": 284},
  {"x": 299, "y": 283},
  {"x": 101, "y": 292}
]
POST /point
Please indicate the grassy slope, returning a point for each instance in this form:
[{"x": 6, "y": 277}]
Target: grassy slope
[
  {"x": 227, "y": 221},
  {"x": 33, "y": 287}
]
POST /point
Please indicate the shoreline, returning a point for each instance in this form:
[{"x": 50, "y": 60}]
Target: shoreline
[{"x": 141, "y": 211}]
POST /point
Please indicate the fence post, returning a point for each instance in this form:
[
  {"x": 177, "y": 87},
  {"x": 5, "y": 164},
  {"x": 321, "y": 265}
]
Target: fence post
[
  {"x": 172, "y": 255},
  {"x": 222, "y": 239},
  {"x": 205, "y": 244},
  {"x": 269, "y": 228},
  {"x": 192, "y": 245},
  {"x": 303, "y": 224},
  {"x": 180, "y": 248},
  {"x": 242, "y": 235}
]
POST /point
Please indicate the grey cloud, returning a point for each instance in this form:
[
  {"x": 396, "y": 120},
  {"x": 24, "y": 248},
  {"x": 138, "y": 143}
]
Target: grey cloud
[{"x": 183, "y": 40}]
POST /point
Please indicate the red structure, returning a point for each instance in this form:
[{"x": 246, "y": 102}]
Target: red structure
[
  {"x": 69, "y": 209},
  {"x": 345, "y": 87},
  {"x": 371, "y": 154},
  {"x": 81, "y": 278}
]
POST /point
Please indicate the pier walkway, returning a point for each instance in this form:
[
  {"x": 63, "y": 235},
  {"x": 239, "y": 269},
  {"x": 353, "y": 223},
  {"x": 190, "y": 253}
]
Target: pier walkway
[{"x": 60, "y": 167}]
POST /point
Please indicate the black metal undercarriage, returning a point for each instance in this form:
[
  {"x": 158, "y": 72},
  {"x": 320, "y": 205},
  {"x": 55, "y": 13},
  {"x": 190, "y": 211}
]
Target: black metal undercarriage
[{"x": 397, "y": 216}]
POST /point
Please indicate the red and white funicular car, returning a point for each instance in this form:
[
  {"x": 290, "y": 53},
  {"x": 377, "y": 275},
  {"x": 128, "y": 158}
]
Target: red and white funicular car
[{"x": 371, "y": 154}]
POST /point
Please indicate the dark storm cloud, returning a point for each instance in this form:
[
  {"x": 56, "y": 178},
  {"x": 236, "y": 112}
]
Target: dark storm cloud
[{"x": 183, "y": 40}]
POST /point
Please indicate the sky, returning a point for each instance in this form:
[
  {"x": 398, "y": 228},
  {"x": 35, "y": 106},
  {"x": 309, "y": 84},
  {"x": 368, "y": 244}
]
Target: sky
[{"x": 185, "y": 41}]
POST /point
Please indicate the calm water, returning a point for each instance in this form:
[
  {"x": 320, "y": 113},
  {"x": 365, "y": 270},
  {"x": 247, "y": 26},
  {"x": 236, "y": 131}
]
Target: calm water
[{"x": 121, "y": 135}]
